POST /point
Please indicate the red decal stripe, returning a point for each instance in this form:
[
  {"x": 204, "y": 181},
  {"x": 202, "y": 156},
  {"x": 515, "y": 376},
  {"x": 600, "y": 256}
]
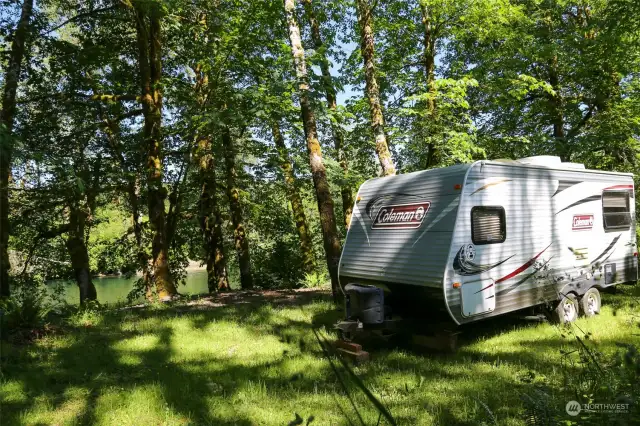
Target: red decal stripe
[
  {"x": 523, "y": 267},
  {"x": 620, "y": 187},
  {"x": 483, "y": 289}
]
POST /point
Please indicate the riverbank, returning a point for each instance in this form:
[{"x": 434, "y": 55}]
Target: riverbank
[{"x": 249, "y": 358}]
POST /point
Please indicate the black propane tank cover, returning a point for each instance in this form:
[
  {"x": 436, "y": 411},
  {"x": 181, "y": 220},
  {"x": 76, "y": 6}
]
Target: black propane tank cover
[{"x": 366, "y": 303}]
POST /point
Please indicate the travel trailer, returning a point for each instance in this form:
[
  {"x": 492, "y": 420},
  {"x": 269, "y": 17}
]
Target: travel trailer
[{"x": 473, "y": 241}]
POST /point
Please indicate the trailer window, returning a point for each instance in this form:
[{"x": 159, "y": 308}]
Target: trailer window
[
  {"x": 616, "y": 210},
  {"x": 488, "y": 225}
]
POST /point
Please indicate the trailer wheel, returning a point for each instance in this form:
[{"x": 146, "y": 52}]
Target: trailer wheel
[
  {"x": 567, "y": 310},
  {"x": 590, "y": 302}
]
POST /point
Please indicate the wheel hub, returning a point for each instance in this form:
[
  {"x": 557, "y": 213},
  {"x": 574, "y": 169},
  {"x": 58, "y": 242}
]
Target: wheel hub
[
  {"x": 569, "y": 311},
  {"x": 591, "y": 304}
]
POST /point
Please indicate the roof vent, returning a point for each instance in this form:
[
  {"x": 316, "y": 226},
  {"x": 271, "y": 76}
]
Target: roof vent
[{"x": 542, "y": 160}]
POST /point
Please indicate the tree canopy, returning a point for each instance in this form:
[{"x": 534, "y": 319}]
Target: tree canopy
[{"x": 137, "y": 135}]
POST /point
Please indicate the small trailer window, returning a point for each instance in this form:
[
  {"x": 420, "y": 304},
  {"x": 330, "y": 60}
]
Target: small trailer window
[
  {"x": 616, "y": 210},
  {"x": 488, "y": 225}
]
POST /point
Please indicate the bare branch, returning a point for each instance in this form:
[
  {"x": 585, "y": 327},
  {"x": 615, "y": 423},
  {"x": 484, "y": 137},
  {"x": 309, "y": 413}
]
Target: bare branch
[{"x": 78, "y": 17}]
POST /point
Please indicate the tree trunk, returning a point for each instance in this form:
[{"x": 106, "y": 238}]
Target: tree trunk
[
  {"x": 330, "y": 93},
  {"x": 296, "y": 202},
  {"x": 209, "y": 212},
  {"x": 11, "y": 79},
  {"x": 365, "y": 21},
  {"x": 149, "y": 46},
  {"x": 323, "y": 195},
  {"x": 429, "y": 47},
  {"x": 141, "y": 255},
  {"x": 211, "y": 219},
  {"x": 429, "y": 44},
  {"x": 79, "y": 255},
  {"x": 557, "y": 115},
  {"x": 112, "y": 132},
  {"x": 241, "y": 241},
  {"x": 175, "y": 201}
]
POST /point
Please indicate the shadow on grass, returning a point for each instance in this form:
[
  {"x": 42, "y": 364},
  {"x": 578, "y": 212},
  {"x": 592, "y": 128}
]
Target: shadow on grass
[{"x": 194, "y": 389}]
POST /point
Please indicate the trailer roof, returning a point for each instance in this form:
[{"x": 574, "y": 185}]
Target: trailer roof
[{"x": 517, "y": 164}]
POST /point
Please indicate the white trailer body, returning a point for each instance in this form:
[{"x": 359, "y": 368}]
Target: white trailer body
[{"x": 478, "y": 240}]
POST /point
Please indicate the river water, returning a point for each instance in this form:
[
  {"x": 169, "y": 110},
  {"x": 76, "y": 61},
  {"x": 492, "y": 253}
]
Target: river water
[{"x": 116, "y": 289}]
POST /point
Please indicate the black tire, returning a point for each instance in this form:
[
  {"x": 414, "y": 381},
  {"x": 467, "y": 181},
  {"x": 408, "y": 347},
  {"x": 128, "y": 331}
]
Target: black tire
[
  {"x": 590, "y": 303},
  {"x": 567, "y": 310}
]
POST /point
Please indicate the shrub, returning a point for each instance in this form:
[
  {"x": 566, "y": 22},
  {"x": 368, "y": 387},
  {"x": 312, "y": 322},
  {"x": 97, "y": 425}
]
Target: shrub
[
  {"x": 28, "y": 306},
  {"x": 315, "y": 280},
  {"x": 589, "y": 377},
  {"x": 87, "y": 315}
]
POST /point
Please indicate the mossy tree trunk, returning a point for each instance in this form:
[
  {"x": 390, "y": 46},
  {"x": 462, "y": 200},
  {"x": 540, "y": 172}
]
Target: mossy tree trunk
[
  {"x": 77, "y": 248},
  {"x": 429, "y": 54},
  {"x": 365, "y": 21},
  {"x": 294, "y": 198},
  {"x": 209, "y": 215},
  {"x": 82, "y": 205},
  {"x": 323, "y": 195},
  {"x": 241, "y": 242},
  {"x": 210, "y": 218},
  {"x": 149, "y": 61},
  {"x": 330, "y": 93},
  {"x": 11, "y": 79}
]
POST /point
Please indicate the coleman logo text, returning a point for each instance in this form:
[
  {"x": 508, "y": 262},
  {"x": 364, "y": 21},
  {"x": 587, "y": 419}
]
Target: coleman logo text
[
  {"x": 401, "y": 216},
  {"x": 584, "y": 221}
]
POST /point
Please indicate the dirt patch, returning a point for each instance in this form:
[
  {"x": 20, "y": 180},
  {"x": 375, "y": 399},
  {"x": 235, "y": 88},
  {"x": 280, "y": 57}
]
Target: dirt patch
[{"x": 260, "y": 297}]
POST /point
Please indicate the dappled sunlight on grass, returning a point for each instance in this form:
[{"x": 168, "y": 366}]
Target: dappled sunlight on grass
[
  {"x": 259, "y": 364},
  {"x": 137, "y": 406}
]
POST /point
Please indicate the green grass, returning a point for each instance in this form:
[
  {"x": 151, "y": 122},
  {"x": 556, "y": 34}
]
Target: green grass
[{"x": 259, "y": 364}]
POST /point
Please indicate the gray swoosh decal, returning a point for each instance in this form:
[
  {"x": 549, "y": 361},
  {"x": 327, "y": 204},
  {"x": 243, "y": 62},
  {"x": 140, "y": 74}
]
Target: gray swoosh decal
[
  {"x": 613, "y": 243},
  {"x": 584, "y": 200},
  {"x": 465, "y": 267}
]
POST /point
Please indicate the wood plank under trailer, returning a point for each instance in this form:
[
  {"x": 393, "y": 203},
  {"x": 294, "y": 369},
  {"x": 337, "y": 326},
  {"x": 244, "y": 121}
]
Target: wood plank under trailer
[
  {"x": 441, "y": 337},
  {"x": 352, "y": 351}
]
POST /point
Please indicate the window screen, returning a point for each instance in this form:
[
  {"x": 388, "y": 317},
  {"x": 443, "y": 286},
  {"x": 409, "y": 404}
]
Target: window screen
[
  {"x": 616, "y": 210},
  {"x": 488, "y": 225}
]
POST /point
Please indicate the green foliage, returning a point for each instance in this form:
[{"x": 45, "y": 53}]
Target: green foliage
[
  {"x": 446, "y": 136},
  {"x": 276, "y": 257},
  {"x": 108, "y": 251},
  {"x": 28, "y": 307},
  {"x": 88, "y": 315},
  {"x": 316, "y": 279},
  {"x": 590, "y": 377},
  {"x": 510, "y": 79}
]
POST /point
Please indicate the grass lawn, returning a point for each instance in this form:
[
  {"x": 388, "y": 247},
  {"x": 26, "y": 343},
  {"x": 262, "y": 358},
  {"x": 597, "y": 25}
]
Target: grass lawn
[{"x": 255, "y": 362}]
